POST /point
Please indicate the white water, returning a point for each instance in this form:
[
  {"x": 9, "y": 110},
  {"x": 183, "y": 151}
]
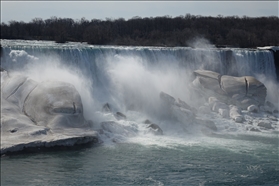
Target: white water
[{"x": 131, "y": 78}]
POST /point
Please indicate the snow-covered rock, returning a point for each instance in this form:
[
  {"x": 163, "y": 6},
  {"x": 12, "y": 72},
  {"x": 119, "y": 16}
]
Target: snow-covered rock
[
  {"x": 265, "y": 125},
  {"x": 178, "y": 110},
  {"x": 235, "y": 114},
  {"x": 46, "y": 114},
  {"x": 253, "y": 108},
  {"x": 181, "y": 114},
  {"x": 224, "y": 113},
  {"x": 212, "y": 100},
  {"x": 274, "y": 48},
  {"x": 206, "y": 123},
  {"x": 219, "y": 105},
  {"x": 117, "y": 128},
  {"x": 240, "y": 91},
  {"x": 204, "y": 109}
]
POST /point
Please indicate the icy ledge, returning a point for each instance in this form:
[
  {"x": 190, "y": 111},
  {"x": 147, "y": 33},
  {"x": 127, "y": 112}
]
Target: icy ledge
[
  {"x": 41, "y": 115},
  {"x": 274, "y": 48}
]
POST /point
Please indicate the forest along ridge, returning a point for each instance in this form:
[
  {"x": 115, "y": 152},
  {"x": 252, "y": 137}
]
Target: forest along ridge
[{"x": 233, "y": 31}]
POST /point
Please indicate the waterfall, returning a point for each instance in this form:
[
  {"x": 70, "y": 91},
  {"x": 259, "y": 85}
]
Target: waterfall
[
  {"x": 90, "y": 59},
  {"x": 255, "y": 62},
  {"x": 140, "y": 70}
]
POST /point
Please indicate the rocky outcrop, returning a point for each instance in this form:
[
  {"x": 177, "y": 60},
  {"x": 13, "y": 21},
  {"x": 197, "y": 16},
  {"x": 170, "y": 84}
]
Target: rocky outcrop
[
  {"x": 106, "y": 108},
  {"x": 185, "y": 114},
  {"x": 118, "y": 129},
  {"x": 42, "y": 114},
  {"x": 253, "y": 108},
  {"x": 204, "y": 109},
  {"x": 153, "y": 128},
  {"x": 235, "y": 114},
  {"x": 239, "y": 91},
  {"x": 241, "y": 99},
  {"x": 178, "y": 110},
  {"x": 120, "y": 116},
  {"x": 265, "y": 125},
  {"x": 269, "y": 108},
  {"x": 206, "y": 123}
]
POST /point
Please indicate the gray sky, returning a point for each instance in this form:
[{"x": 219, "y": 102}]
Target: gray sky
[{"x": 26, "y": 11}]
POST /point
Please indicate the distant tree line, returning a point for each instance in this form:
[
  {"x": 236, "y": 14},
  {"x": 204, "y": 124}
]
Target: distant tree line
[{"x": 154, "y": 31}]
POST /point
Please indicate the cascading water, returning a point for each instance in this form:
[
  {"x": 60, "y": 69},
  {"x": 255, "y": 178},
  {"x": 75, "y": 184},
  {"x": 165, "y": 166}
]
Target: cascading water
[
  {"x": 225, "y": 61},
  {"x": 130, "y": 79},
  {"x": 255, "y": 63},
  {"x": 93, "y": 62},
  {"x": 125, "y": 76}
]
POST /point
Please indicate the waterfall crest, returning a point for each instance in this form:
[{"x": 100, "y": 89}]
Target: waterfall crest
[{"x": 234, "y": 61}]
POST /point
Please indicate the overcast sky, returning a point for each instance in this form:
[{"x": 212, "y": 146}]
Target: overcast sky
[{"x": 26, "y": 11}]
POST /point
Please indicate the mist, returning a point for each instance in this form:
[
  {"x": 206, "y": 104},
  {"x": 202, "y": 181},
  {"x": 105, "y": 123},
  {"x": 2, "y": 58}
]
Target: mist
[
  {"x": 42, "y": 69},
  {"x": 137, "y": 87},
  {"x": 130, "y": 80}
]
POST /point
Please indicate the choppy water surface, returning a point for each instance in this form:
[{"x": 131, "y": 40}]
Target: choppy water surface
[{"x": 223, "y": 160}]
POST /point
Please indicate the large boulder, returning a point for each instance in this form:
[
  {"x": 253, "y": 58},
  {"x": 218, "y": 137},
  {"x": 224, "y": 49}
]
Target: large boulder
[
  {"x": 224, "y": 113},
  {"x": 182, "y": 115},
  {"x": 167, "y": 99},
  {"x": 235, "y": 114},
  {"x": 155, "y": 129},
  {"x": 178, "y": 110},
  {"x": 206, "y": 123},
  {"x": 253, "y": 108},
  {"x": 219, "y": 105},
  {"x": 204, "y": 109},
  {"x": 265, "y": 125},
  {"x": 240, "y": 91},
  {"x": 42, "y": 114},
  {"x": 209, "y": 80},
  {"x": 55, "y": 104},
  {"x": 120, "y": 116},
  {"x": 118, "y": 129}
]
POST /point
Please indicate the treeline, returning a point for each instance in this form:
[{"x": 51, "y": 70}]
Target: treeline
[{"x": 158, "y": 31}]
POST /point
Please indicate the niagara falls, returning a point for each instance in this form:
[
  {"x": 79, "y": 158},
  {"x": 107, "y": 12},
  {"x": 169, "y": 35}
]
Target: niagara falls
[
  {"x": 157, "y": 100},
  {"x": 141, "y": 100}
]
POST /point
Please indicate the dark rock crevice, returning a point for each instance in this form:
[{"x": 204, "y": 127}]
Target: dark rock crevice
[
  {"x": 74, "y": 108},
  {"x": 246, "y": 86}
]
